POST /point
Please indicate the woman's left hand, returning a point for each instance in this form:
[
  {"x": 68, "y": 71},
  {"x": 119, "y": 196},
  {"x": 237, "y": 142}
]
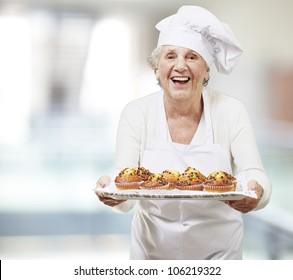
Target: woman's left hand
[{"x": 247, "y": 204}]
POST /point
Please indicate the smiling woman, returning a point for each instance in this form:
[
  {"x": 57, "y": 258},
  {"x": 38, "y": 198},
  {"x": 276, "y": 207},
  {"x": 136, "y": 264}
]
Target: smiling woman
[{"x": 187, "y": 124}]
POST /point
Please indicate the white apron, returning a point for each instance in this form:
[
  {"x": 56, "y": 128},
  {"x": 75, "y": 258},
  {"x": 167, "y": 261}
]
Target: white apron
[{"x": 186, "y": 229}]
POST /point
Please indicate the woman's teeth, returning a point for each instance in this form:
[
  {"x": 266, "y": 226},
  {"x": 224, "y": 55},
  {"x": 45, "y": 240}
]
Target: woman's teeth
[{"x": 180, "y": 79}]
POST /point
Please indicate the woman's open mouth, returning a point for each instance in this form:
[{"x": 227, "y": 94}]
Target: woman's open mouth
[{"x": 180, "y": 80}]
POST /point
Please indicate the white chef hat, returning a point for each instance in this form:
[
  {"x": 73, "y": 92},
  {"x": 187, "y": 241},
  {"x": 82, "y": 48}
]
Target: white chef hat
[{"x": 196, "y": 28}]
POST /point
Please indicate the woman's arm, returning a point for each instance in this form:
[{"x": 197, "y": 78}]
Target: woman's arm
[{"x": 247, "y": 159}]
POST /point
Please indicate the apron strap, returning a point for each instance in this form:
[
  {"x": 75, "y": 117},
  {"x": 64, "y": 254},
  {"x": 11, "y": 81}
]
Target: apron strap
[{"x": 207, "y": 115}]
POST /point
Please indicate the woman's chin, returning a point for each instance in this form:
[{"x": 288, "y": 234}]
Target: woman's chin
[{"x": 180, "y": 95}]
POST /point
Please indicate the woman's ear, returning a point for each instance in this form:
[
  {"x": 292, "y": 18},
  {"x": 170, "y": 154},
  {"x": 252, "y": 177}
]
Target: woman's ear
[
  {"x": 157, "y": 74},
  {"x": 207, "y": 77}
]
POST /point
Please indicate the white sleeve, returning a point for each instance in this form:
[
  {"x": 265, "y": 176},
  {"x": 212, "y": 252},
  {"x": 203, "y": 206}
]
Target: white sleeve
[
  {"x": 125, "y": 207},
  {"x": 129, "y": 137}
]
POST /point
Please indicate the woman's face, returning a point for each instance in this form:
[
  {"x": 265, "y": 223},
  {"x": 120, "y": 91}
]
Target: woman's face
[{"x": 181, "y": 72}]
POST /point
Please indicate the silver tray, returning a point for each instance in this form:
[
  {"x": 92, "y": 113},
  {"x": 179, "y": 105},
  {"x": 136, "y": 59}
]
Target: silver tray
[{"x": 113, "y": 192}]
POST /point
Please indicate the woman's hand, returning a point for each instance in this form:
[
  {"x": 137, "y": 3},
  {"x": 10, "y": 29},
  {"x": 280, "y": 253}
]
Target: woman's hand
[
  {"x": 247, "y": 204},
  {"x": 103, "y": 182}
]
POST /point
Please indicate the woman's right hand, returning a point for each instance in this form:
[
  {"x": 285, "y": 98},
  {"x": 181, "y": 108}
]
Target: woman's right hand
[{"x": 103, "y": 182}]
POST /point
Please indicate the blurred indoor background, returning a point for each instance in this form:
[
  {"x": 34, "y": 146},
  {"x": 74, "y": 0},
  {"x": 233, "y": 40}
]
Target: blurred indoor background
[{"x": 67, "y": 68}]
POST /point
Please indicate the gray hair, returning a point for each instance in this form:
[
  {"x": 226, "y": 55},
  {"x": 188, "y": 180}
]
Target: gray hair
[{"x": 154, "y": 57}]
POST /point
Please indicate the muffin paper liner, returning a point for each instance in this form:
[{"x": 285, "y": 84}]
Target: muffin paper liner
[
  {"x": 128, "y": 185},
  {"x": 198, "y": 187},
  {"x": 220, "y": 188}
]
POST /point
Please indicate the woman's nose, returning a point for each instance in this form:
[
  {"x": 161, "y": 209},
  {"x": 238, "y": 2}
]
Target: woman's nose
[{"x": 180, "y": 64}]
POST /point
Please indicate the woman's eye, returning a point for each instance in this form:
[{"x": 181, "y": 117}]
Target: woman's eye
[
  {"x": 170, "y": 56},
  {"x": 192, "y": 57}
]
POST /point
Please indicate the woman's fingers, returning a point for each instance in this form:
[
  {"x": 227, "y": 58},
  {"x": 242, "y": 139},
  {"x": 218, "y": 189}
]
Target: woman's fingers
[{"x": 103, "y": 181}]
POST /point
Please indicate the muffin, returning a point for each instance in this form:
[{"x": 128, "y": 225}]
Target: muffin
[
  {"x": 220, "y": 181},
  {"x": 171, "y": 177},
  {"x": 143, "y": 173},
  {"x": 128, "y": 179},
  {"x": 156, "y": 181},
  {"x": 197, "y": 173},
  {"x": 190, "y": 181}
]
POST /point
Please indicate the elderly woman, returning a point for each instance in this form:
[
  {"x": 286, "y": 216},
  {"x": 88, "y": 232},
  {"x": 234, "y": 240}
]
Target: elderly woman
[{"x": 187, "y": 124}]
